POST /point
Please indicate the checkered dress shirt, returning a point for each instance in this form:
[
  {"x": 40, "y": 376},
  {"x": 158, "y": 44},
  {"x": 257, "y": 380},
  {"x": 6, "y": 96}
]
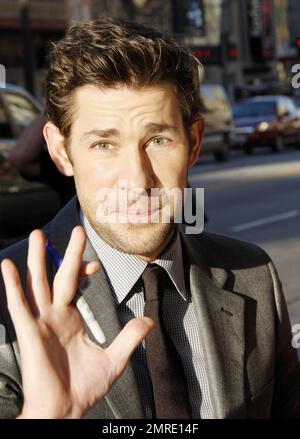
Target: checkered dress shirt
[{"x": 123, "y": 272}]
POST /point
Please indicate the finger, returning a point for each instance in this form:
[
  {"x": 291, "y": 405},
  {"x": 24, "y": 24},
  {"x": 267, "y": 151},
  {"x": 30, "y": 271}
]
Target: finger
[
  {"x": 126, "y": 342},
  {"x": 88, "y": 269},
  {"x": 38, "y": 286},
  {"x": 16, "y": 302},
  {"x": 66, "y": 280}
]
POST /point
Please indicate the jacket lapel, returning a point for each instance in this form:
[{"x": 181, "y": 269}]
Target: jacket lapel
[
  {"x": 98, "y": 296},
  {"x": 123, "y": 398},
  {"x": 220, "y": 314}
]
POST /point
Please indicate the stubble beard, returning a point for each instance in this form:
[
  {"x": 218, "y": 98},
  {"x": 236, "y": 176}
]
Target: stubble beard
[{"x": 137, "y": 239}]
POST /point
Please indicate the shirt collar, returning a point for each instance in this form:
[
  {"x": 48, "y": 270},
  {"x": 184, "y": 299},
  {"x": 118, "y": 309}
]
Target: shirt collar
[{"x": 127, "y": 269}]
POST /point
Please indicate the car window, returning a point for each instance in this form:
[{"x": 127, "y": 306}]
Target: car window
[
  {"x": 5, "y": 128},
  {"x": 284, "y": 108},
  {"x": 22, "y": 109},
  {"x": 297, "y": 101},
  {"x": 290, "y": 105},
  {"x": 281, "y": 108},
  {"x": 214, "y": 98},
  {"x": 252, "y": 109}
]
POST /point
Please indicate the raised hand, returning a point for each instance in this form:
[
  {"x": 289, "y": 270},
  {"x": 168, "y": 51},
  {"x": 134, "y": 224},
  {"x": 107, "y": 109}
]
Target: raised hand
[{"x": 63, "y": 372}]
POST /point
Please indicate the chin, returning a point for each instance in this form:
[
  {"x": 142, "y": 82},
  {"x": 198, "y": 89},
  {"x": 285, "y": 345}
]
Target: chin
[{"x": 138, "y": 239}]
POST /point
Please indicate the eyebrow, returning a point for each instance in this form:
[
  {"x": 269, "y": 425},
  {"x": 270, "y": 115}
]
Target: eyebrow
[
  {"x": 158, "y": 127},
  {"x": 113, "y": 132}
]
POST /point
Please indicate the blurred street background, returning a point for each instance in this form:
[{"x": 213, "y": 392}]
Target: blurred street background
[
  {"x": 257, "y": 200},
  {"x": 250, "y": 164}
]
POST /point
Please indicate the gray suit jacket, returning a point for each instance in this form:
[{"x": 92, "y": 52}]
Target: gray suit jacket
[{"x": 252, "y": 369}]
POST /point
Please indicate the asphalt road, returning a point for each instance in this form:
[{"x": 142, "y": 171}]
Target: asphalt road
[{"x": 257, "y": 199}]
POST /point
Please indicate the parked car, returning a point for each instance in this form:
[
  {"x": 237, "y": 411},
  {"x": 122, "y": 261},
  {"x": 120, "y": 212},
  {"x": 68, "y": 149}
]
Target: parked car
[
  {"x": 266, "y": 121},
  {"x": 24, "y": 205},
  {"x": 296, "y": 100},
  {"x": 217, "y": 112}
]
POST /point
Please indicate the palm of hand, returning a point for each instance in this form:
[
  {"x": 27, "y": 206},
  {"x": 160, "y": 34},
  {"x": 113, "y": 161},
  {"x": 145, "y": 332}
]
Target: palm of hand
[
  {"x": 74, "y": 370},
  {"x": 63, "y": 372}
]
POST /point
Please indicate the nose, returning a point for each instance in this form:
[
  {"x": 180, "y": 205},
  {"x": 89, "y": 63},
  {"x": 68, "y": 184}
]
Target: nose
[{"x": 138, "y": 171}]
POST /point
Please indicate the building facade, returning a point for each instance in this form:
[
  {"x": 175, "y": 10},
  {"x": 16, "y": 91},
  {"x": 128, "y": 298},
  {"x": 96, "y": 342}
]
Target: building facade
[
  {"x": 238, "y": 41},
  {"x": 25, "y": 38}
]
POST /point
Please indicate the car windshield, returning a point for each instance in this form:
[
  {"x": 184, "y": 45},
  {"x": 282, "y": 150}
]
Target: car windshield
[
  {"x": 21, "y": 108},
  {"x": 252, "y": 109},
  {"x": 214, "y": 98},
  {"x": 297, "y": 101}
]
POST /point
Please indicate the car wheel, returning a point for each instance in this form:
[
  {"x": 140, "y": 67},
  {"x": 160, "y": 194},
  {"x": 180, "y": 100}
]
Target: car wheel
[
  {"x": 223, "y": 154},
  {"x": 279, "y": 144}
]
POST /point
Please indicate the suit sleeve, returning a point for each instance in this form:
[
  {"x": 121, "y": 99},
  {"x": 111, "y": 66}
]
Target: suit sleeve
[
  {"x": 286, "y": 397},
  {"x": 11, "y": 395}
]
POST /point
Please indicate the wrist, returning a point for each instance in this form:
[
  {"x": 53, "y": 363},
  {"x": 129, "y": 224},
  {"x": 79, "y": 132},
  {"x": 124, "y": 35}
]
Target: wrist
[{"x": 44, "y": 413}]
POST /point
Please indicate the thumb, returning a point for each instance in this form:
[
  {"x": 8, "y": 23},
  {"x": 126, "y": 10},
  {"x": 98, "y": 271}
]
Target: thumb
[{"x": 126, "y": 342}]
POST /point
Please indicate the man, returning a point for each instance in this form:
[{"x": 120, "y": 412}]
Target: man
[{"x": 123, "y": 119}]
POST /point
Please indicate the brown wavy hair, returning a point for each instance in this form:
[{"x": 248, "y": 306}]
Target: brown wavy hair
[{"x": 108, "y": 53}]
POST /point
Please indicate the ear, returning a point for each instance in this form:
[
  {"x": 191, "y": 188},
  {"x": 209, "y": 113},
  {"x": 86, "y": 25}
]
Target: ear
[
  {"x": 196, "y": 133},
  {"x": 57, "y": 150}
]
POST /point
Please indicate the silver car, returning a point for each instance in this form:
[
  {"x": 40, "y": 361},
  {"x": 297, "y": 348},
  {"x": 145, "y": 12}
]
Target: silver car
[{"x": 24, "y": 205}]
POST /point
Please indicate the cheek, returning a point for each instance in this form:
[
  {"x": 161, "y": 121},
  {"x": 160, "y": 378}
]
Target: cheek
[
  {"x": 90, "y": 176},
  {"x": 172, "y": 172}
]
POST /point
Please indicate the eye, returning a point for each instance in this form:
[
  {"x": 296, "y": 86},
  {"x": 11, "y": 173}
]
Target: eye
[
  {"x": 102, "y": 146},
  {"x": 159, "y": 141}
]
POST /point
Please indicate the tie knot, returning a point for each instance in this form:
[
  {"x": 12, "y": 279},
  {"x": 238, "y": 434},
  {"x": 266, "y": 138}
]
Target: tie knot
[{"x": 153, "y": 279}]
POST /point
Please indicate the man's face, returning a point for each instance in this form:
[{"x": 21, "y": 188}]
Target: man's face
[{"x": 125, "y": 142}]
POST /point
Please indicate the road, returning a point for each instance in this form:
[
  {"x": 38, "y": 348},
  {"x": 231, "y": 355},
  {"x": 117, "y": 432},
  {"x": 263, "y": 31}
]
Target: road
[{"x": 257, "y": 199}]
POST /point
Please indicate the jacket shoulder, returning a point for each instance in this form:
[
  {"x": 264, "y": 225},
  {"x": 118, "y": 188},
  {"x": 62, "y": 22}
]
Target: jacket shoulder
[
  {"x": 234, "y": 251},
  {"x": 225, "y": 252},
  {"x": 16, "y": 251}
]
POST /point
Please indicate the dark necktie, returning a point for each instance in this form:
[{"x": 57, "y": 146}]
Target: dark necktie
[{"x": 164, "y": 364}]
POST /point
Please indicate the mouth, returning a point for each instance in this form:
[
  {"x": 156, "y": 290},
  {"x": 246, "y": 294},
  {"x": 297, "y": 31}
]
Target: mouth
[{"x": 136, "y": 213}]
